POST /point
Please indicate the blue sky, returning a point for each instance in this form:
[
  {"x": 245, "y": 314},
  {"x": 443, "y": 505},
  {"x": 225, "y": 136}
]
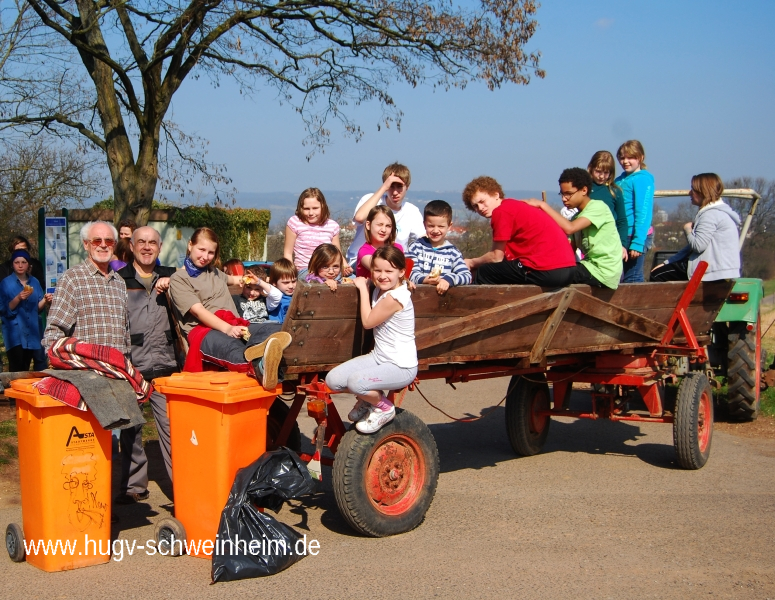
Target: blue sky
[{"x": 693, "y": 80}]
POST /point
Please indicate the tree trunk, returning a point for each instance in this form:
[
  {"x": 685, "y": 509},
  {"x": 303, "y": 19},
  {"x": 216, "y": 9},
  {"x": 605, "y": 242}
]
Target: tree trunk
[
  {"x": 133, "y": 193},
  {"x": 134, "y": 183}
]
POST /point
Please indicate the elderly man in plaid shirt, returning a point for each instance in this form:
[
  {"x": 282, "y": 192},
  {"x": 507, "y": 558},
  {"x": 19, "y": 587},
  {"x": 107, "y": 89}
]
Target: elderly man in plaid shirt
[{"x": 90, "y": 300}]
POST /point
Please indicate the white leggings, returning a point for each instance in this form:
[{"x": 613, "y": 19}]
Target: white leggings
[{"x": 364, "y": 374}]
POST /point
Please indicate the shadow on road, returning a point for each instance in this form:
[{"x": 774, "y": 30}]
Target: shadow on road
[{"x": 484, "y": 443}]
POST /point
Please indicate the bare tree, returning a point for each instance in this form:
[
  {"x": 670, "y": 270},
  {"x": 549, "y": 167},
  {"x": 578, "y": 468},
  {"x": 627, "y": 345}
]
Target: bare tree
[
  {"x": 109, "y": 69},
  {"x": 34, "y": 175},
  {"x": 760, "y": 243}
]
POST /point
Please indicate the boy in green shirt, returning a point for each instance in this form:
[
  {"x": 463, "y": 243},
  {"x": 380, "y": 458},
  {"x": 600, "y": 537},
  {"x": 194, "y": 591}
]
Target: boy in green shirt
[{"x": 593, "y": 229}]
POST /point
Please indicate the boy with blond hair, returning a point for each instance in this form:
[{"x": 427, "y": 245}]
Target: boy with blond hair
[{"x": 396, "y": 179}]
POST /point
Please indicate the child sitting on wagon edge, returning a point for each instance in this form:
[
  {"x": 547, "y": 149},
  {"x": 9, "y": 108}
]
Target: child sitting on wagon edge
[
  {"x": 593, "y": 229},
  {"x": 436, "y": 261},
  {"x": 528, "y": 247}
]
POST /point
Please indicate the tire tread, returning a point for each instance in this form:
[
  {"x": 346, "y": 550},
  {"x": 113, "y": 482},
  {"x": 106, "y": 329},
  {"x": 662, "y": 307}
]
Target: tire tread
[{"x": 349, "y": 464}]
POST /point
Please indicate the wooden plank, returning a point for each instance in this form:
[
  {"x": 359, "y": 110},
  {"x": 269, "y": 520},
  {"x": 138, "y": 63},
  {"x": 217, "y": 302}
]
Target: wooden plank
[
  {"x": 469, "y": 300},
  {"x": 488, "y": 319},
  {"x": 615, "y": 315},
  {"x": 551, "y": 324},
  {"x": 324, "y": 341}
]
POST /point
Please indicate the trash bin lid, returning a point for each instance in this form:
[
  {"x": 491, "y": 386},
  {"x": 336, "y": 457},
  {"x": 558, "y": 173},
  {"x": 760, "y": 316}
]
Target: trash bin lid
[
  {"x": 22, "y": 389},
  {"x": 217, "y": 386}
]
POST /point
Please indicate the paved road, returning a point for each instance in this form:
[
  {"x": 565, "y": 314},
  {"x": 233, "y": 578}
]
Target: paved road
[{"x": 602, "y": 513}]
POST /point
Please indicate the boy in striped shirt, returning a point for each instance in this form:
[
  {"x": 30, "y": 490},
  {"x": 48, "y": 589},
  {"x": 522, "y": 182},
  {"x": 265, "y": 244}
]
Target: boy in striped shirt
[{"x": 436, "y": 261}]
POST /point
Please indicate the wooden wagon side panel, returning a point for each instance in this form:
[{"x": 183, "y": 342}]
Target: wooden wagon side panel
[{"x": 478, "y": 322}]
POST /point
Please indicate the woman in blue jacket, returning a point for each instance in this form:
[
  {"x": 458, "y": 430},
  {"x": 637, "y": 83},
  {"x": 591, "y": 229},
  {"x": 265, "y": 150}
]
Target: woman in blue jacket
[
  {"x": 712, "y": 237},
  {"x": 21, "y": 301}
]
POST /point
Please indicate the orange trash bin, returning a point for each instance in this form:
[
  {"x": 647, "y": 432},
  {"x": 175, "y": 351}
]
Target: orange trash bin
[
  {"x": 65, "y": 471},
  {"x": 217, "y": 426}
]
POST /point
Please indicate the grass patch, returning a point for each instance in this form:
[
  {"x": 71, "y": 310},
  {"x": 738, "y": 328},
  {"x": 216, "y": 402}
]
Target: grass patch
[
  {"x": 8, "y": 449},
  {"x": 768, "y": 402},
  {"x": 769, "y": 287},
  {"x": 149, "y": 429}
]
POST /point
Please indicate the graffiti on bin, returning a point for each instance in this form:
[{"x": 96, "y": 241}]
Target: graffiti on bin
[{"x": 84, "y": 509}]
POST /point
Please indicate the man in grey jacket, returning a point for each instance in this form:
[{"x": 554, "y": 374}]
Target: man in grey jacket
[{"x": 153, "y": 354}]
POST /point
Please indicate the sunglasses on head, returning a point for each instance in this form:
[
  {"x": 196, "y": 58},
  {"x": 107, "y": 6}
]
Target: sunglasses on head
[{"x": 109, "y": 242}]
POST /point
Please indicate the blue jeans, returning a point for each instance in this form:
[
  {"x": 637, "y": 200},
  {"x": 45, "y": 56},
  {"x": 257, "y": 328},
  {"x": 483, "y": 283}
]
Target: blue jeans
[{"x": 633, "y": 268}]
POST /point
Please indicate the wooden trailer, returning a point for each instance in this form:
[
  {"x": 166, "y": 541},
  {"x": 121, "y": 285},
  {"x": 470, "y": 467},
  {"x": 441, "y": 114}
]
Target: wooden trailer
[{"x": 633, "y": 340}]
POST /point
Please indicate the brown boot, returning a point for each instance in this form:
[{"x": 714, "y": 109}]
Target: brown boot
[{"x": 257, "y": 351}]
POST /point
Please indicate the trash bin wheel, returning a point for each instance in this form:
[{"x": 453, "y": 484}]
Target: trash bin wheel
[
  {"x": 384, "y": 482},
  {"x": 526, "y": 429},
  {"x": 165, "y": 530},
  {"x": 274, "y": 423},
  {"x": 693, "y": 422},
  {"x": 14, "y": 542}
]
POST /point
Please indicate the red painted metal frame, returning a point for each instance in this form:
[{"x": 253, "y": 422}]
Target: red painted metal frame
[{"x": 609, "y": 368}]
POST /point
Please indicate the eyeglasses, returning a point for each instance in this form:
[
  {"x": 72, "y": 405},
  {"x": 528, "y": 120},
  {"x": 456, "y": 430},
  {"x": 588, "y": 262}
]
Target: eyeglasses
[
  {"x": 149, "y": 243},
  {"x": 109, "y": 242},
  {"x": 332, "y": 268},
  {"x": 568, "y": 195}
]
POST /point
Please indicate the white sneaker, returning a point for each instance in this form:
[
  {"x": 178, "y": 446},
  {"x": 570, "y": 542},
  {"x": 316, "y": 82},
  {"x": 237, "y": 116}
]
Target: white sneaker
[
  {"x": 360, "y": 410},
  {"x": 376, "y": 419}
]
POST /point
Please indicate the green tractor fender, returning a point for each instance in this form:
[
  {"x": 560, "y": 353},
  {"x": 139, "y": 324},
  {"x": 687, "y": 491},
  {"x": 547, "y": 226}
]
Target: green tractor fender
[{"x": 742, "y": 304}]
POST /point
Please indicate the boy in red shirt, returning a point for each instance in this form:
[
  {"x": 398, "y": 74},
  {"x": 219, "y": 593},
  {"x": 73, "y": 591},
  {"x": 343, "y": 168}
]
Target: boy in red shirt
[{"x": 528, "y": 247}]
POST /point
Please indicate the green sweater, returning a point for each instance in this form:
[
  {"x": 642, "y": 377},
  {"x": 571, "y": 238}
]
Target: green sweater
[{"x": 616, "y": 206}]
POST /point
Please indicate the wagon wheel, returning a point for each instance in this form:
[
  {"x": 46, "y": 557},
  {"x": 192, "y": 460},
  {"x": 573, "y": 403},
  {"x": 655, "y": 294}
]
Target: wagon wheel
[
  {"x": 527, "y": 429},
  {"x": 693, "y": 422},
  {"x": 744, "y": 371},
  {"x": 274, "y": 423},
  {"x": 384, "y": 482}
]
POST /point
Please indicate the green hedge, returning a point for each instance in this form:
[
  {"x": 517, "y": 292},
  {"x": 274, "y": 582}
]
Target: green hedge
[{"x": 242, "y": 231}]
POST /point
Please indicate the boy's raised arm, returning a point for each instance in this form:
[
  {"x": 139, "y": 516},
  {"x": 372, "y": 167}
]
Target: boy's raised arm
[
  {"x": 568, "y": 227},
  {"x": 363, "y": 211}
]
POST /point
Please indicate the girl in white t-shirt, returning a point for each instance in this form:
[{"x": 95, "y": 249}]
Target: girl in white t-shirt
[
  {"x": 392, "y": 364},
  {"x": 310, "y": 227}
]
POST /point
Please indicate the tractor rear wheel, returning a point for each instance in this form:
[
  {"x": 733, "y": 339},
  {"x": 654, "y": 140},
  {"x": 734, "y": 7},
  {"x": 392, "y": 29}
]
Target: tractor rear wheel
[{"x": 744, "y": 371}]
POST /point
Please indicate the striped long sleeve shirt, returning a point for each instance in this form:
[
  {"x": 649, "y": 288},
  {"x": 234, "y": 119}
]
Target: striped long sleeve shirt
[{"x": 449, "y": 258}]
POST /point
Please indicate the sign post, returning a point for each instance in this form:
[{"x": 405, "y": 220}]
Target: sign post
[{"x": 53, "y": 247}]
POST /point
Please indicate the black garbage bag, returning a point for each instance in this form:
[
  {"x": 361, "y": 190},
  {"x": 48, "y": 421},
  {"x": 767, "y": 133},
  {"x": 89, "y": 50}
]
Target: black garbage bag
[{"x": 261, "y": 545}]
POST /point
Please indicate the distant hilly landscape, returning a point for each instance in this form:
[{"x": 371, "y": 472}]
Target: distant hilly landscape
[{"x": 342, "y": 203}]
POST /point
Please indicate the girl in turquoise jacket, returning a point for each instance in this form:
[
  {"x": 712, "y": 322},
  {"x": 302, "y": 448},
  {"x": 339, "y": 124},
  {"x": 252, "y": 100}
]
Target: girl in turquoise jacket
[{"x": 637, "y": 188}]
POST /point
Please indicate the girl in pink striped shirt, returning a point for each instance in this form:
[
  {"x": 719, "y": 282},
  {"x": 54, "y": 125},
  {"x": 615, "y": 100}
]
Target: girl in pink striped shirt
[{"x": 310, "y": 227}]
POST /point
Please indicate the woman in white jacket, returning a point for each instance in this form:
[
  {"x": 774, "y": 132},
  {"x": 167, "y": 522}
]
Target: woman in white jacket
[{"x": 712, "y": 237}]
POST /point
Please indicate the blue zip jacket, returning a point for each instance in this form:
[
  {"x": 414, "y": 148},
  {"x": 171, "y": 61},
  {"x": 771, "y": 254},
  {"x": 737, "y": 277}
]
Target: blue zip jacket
[
  {"x": 278, "y": 312},
  {"x": 637, "y": 191}
]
